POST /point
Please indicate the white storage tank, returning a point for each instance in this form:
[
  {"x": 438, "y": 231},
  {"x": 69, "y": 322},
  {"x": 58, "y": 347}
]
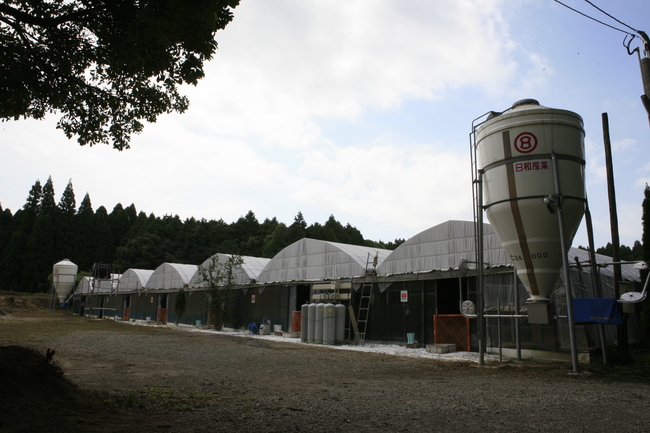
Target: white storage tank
[
  {"x": 318, "y": 323},
  {"x": 304, "y": 325},
  {"x": 329, "y": 324},
  {"x": 340, "y": 323},
  {"x": 64, "y": 276},
  {"x": 514, "y": 151},
  {"x": 311, "y": 321}
]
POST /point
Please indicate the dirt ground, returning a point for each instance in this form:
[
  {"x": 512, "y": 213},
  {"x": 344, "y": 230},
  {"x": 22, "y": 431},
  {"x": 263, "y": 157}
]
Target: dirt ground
[{"x": 112, "y": 377}]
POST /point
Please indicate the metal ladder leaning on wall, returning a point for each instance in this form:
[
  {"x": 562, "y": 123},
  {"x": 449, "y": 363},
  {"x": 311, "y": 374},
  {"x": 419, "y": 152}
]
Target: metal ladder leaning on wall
[{"x": 364, "y": 302}]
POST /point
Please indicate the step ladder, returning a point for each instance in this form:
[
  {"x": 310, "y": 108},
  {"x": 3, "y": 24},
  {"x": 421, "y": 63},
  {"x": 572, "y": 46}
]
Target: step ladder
[{"x": 364, "y": 303}]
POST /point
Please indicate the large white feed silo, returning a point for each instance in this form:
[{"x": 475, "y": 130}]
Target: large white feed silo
[
  {"x": 515, "y": 152},
  {"x": 64, "y": 276}
]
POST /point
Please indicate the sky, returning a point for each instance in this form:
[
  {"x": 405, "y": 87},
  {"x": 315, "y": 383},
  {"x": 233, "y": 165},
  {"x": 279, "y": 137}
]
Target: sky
[{"x": 362, "y": 110}]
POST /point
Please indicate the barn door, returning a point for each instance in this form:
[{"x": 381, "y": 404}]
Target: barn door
[
  {"x": 162, "y": 308},
  {"x": 126, "y": 308}
]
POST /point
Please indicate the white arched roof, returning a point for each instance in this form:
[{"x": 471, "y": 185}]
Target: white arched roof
[
  {"x": 89, "y": 284},
  {"x": 248, "y": 272},
  {"x": 171, "y": 276},
  {"x": 441, "y": 248},
  {"x": 84, "y": 285},
  {"x": 628, "y": 272},
  {"x": 135, "y": 279},
  {"x": 314, "y": 260}
]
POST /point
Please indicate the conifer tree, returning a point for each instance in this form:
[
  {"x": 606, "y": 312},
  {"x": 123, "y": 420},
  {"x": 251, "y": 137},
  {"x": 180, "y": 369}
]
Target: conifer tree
[
  {"x": 298, "y": 229},
  {"x": 41, "y": 247},
  {"x": 119, "y": 224},
  {"x": 66, "y": 229},
  {"x": 41, "y": 254},
  {"x": 6, "y": 231},
  {"x": 48, "y": 203},
  {"x": 14, "y": 257},
  {"x": 33, "y": 203},
  {"x": 68, "y": 204},
  {"x": 85, "y": 235},
  {"x": 276, "y": 241}
]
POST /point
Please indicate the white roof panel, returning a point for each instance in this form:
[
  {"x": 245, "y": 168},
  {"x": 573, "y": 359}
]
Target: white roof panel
[
  {"x": 442, "y": 247},
  {"x": 89, "y": 285},
  {"x": 135, "y": 279},
  {"x": 315, "y": 260},
  {"x": 171, "y": 276},
  {"x": 249, "y": 271}
]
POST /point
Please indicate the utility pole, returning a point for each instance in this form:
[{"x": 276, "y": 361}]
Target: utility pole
[
  {"x": 644, "y": 63},
  {"x": 613, "y": 218}
]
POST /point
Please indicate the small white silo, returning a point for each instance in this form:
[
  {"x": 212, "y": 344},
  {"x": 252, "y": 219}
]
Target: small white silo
[{"x": 64, "y": 275}]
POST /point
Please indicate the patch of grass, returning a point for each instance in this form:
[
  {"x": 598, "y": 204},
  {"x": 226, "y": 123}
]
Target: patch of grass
[
  {"x": 33, "y": 326},
  {"x": 161, "y": 396},
  {"x": 45, "y": 296},
  {"x": 132, "y": 401},
  {"x": 156, "y": 397}
]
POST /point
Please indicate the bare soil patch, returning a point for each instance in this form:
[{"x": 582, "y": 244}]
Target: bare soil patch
[{"x": 112, "y": 377}]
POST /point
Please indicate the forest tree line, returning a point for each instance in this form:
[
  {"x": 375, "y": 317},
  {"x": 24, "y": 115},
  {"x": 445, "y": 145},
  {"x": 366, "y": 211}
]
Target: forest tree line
[{"x": 43, "y": 232}]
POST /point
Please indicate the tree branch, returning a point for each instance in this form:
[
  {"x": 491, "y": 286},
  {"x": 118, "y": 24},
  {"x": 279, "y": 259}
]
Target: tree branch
[{"x": 24, "y": 17}]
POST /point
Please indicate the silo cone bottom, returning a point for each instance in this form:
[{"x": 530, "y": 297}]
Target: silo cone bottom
[{"x": 537, "y": 311}]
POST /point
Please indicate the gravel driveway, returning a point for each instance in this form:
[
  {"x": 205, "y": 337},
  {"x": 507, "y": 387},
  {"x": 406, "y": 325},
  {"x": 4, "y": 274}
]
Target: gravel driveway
[{"x": 161, "y": 379}]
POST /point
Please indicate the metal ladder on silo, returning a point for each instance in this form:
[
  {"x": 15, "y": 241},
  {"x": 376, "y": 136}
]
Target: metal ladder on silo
[{"x": 364, "y": 302}]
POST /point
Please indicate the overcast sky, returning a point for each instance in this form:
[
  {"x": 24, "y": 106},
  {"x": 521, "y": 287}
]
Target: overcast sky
[{"x": 361, "y": 109}]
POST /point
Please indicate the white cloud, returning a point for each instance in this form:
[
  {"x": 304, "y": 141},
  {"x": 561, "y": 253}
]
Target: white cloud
[
  {"x": 624, "y": 144},
  {"x": 629, "y": 223},
  {"x": 596, "y": 171},
  {"x": 282, "y": 65},
  {"x": 386, "y": 184}
]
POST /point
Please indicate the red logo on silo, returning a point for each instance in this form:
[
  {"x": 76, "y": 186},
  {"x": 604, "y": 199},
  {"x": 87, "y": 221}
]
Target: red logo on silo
[{"x": 525, "y": 142}]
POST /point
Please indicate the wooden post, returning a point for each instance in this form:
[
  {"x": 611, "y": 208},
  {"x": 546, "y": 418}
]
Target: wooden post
[{"x": 613, "y": 221}]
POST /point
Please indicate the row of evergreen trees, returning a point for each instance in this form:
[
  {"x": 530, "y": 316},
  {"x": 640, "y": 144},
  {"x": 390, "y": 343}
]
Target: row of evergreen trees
[{"x": 43, "y": 232}]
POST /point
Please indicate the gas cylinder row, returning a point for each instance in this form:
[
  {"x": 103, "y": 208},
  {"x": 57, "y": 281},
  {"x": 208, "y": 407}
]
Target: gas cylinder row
[{"x": 322, "y": 323}]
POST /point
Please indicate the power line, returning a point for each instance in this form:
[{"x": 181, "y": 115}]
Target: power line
[
  {"x": 598, "y": 21},
  {"x": 612, "y": 17}
]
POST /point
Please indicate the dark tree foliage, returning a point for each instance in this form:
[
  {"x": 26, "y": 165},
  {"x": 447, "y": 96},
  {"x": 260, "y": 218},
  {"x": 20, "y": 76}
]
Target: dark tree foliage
[
  {"x": 6, "y": 229},
  {"x": 218, "y": 279},
  {"x": 276, "y": 241},
  {"x": 34, "y": 199},
  {"x": 180, "y": 303},
  {"x": 42, "y": 233},
  {"x": 68, "y": 203},
  {"x": 625, "y": 253},
  {"x": 645, "y": 218},
  {"x": 106, "y": 66},
  {"x": 645, "y": 255},
  {"x": 48, "y": 203}
]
